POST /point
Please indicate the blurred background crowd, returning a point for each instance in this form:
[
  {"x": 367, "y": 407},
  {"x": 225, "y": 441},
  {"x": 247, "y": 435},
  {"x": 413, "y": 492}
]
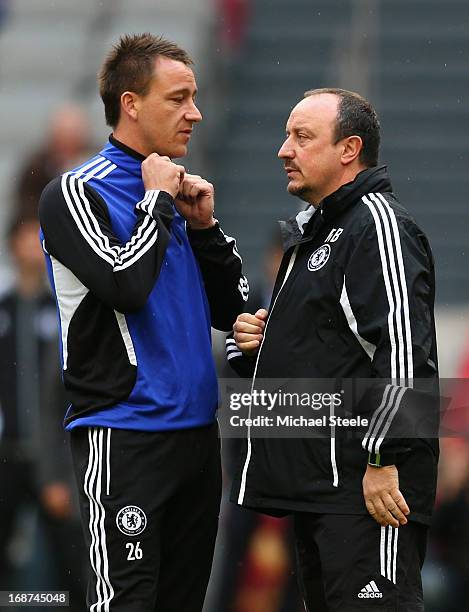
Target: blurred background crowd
[{"x": 254, "y": 59}]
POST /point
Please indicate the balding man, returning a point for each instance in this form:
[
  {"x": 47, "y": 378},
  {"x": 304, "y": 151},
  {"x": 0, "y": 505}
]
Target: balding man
[{"x": 353, "y": 301}]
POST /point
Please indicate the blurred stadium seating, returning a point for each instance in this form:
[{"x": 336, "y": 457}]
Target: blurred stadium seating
[{"x": 410, "y": 57}]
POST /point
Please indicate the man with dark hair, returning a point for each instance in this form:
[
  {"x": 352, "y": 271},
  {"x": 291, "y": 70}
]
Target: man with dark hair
[
  {"x": 141, "y": 270},
  {"x": 130, "y": 66},
  {"x": 355, "y": 117},
  {"x": 353, "y": 301}
]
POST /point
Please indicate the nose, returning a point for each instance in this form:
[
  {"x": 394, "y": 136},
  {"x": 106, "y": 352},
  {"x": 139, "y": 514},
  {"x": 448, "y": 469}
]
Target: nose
[
  {"x": 193, "y": 114},
  {"x": 286, "y": 151}
]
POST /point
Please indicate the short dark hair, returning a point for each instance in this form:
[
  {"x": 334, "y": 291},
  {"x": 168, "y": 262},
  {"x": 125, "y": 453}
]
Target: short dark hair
[
  {"x": 129, "y": 66},
  {"x": 355, "y": 117}
]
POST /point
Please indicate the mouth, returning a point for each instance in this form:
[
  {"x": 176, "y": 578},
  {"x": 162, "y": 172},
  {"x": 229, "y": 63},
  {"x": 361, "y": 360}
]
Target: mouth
[
  {"x": 290, "y": 170},
  {"x": 185, "y": 135}
]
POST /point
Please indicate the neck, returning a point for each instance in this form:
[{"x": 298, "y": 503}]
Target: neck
[
  {"x": 347, "y": 175},
  {"x": 127, "y": 136}
]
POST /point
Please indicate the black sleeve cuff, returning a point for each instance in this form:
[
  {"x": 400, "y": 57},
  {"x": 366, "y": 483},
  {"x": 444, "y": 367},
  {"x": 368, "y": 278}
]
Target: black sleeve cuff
[
  {"x": 201, "y": 237},
  {"x": 165, "y": 203},
  {"x": 381, "y": 460}
]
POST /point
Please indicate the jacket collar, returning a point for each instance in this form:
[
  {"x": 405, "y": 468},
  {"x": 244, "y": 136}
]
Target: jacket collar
[
  {"x": 371, "y": 180},
  {"x": 300, "y": 228},
  {"x": 123, "y": 156}
]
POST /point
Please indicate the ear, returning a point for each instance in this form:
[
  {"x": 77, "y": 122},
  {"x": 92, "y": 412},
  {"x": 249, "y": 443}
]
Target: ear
[
  {"x": 351, "y": 148},
  {"x": 130, "y": 104}
]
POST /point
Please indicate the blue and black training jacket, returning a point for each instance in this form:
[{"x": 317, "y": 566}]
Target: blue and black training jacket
[{"x": 137, "y": 292}]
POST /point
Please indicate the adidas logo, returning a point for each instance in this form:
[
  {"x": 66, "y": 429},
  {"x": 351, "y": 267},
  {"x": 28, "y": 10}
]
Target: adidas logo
[{"x": 370, "y": 591}]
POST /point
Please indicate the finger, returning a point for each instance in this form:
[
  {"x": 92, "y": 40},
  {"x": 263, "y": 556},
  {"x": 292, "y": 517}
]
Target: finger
[
  {"x": 186, "y": 188},
  {"x": 262, "y": 314},
  {"x": 195, "y": 190},
  {"x": 201, "y": 187},
  {"x": 372, "y": 510},
  {"x": 384, "y": 516},
  {"x": 394, "y": 509},
  {"x": 399, "y": 500},
  {"x": 251, "y": 331},
  {"x": 240, "y": 337},
  {"x": 249, "y": 318},
  {"x": 241, "y": 326},
  {"x": 191, "y": 179},
  {"x": 248, "y": 346}
]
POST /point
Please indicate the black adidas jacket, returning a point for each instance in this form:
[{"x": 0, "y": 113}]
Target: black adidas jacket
[{"x": 353, "y": 301}]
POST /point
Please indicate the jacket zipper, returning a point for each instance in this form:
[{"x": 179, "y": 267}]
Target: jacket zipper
[
  {"x": 242, "y": 488},
  {"x": 335, "y": 471}
]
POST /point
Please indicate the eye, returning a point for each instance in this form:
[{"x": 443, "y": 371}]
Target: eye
[
  {"x": 303, "y": 139},
  {"x": 178, "y": 99}
]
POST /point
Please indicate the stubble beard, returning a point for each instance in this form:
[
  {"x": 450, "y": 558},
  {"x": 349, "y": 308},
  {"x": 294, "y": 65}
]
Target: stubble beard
[{"x": 301, "y": 192}]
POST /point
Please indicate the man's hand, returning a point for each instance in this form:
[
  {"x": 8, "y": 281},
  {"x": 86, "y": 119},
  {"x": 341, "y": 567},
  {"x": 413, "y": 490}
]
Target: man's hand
[
  {"x": 195, "y": 202},
  {"x": 384, "y": 501},
  {"x": 160, "y": 173},
  {"x": 249, "y": 331}
]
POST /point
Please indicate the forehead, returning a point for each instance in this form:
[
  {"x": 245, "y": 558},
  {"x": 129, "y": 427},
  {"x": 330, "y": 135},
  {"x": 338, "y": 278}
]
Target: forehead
[
  {"x": 319, "y": 110},
  {"x": 171, "y": 74}
]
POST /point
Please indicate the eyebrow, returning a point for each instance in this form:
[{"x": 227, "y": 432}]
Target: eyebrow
[
  {"x": 303, "y": 128},
  {"x": 183, "y": 90},
  {"x": 300, "y": 128}
]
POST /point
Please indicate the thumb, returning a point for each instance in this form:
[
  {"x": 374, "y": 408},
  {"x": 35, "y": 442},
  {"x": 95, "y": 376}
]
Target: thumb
[
  {"x": 182, "y": 172},
  {"x": 262, "y": 314}
]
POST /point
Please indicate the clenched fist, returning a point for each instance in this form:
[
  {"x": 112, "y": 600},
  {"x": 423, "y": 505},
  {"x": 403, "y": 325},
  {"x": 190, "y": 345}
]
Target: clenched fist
[
  {"x": 161, "y": 173},
  {"x": 195, "y": 201},
  {"x": 249, "y": 331}
]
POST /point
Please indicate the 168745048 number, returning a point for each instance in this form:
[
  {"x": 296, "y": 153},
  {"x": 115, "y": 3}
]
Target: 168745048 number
[{"x": 34, "y": 598}]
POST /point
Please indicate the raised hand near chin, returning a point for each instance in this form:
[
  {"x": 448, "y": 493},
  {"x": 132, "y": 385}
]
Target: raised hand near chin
[
  {"x": 195, "y": 201},
  {"x": 162, "y": 174}
]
